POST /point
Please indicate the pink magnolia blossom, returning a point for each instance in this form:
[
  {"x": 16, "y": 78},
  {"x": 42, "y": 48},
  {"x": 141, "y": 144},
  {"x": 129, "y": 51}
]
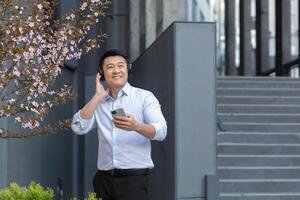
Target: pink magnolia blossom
[
  {"x": 40, "y": 6},
  {"x": 34, "y": 48}
]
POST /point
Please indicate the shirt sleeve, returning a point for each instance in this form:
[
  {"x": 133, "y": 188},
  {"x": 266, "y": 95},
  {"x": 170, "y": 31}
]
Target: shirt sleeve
[
  {"x": 153, "y": 115},
  {"x": 82, "y": 126}
]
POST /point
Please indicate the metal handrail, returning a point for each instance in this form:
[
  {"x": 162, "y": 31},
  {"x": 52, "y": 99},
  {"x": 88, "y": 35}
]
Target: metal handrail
[{"x": 287, "y": 66}]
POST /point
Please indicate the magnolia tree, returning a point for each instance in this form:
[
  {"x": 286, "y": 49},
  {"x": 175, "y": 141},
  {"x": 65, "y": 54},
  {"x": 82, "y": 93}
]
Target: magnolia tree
[{"x": 33, "y": 48}]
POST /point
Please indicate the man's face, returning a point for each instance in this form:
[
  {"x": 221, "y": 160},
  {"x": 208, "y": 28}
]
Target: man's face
[{"x": 115, "y": 71}]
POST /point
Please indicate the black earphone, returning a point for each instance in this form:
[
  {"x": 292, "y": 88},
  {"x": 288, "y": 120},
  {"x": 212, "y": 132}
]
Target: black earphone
[{"x": 99, "y": 70}]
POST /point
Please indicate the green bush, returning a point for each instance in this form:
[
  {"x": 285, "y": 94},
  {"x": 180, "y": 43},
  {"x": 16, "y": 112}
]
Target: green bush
[
  {"x": 91, "y": 196},
  {"x": 33, "y": 192}
]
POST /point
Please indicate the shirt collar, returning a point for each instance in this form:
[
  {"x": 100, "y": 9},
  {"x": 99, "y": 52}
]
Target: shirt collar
[{"x": 125, "y": 91}]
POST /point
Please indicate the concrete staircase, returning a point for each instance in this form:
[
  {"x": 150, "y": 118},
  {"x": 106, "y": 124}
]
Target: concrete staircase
[{"x": 259, "y": 148}]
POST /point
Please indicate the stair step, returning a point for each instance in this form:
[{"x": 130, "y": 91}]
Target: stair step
[
  {"x": 260, "y": 127},
  {"x": 247, "y": 99},
  {"x": 259, "y": 91},
  {"x": 254, "y": 173},
  {"x": 258, "y": 137},
  {"x": 258, "y": 167},
  {"x": 260, "y": 185},
  {"x": 238, "y": 161},
  {"x": 258, "y": 108},
  {"x": 250, "y": 81},
  {"x": 259, "y": 83},
  {"x": 256, "y": 78},
  {"x": 257, "y": 149},
  {"x": 259, "y": 117},
  {"x": 260, "y": 196}
]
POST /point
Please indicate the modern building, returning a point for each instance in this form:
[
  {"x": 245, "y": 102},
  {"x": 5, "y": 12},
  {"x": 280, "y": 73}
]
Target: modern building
[{"x": 68, "y": 162}]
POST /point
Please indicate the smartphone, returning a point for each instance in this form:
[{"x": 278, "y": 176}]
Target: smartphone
[{"x": 118, "y": 112}]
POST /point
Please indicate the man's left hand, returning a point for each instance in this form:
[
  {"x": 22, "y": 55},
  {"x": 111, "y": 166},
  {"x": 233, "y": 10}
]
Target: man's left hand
[{"x": 127, "y": 123}]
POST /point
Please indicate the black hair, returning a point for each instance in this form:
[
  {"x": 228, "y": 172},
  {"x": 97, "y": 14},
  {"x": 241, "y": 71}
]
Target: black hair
[{"x": 112, "y": 52}]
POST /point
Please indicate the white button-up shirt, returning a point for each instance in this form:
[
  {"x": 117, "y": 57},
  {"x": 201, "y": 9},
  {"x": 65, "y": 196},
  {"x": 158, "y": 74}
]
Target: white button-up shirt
[{"x": 120, "y": 148}]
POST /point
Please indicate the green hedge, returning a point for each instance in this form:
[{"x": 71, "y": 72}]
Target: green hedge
[{"x": 33, "y": 192}]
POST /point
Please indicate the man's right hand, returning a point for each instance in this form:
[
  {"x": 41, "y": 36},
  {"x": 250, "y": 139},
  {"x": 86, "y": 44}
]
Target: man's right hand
[
  {"x": 88, "y": 110},
  {"x": 100, "y": 91}
]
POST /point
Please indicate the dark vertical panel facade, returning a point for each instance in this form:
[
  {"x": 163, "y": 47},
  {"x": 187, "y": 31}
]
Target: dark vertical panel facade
[
  {"x": 119, "y": 34},
  {"x": 283, "y": 36},
  {"x": 299, "y": 30},
  {"x": 245, "y": 38},
  {"x": 262, "y": 36},
  {"x": 159, "y": 16},
  {"x": 142, "y": 22},
  {"x": 230, "y": 37},
  {"x": 299, "y": 34}
]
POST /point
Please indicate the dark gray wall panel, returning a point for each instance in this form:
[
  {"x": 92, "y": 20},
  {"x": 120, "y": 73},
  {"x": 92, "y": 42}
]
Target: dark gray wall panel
[
  {"x": 154, "y": 71},
  {"x": 43, "y": 159},
  {"x": 179, "y": 68},
  {"x": 3, "y": 159},
  {"x": 195, "y": 107}
]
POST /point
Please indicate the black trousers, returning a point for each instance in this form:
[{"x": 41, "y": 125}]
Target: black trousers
[{"x": 109, "y": 186}]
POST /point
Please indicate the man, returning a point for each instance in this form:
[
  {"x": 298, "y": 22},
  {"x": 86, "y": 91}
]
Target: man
[{"x": 124, "y": 151}]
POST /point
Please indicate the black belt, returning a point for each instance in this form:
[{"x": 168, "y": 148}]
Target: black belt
[{"x": 125, "y": 172}]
